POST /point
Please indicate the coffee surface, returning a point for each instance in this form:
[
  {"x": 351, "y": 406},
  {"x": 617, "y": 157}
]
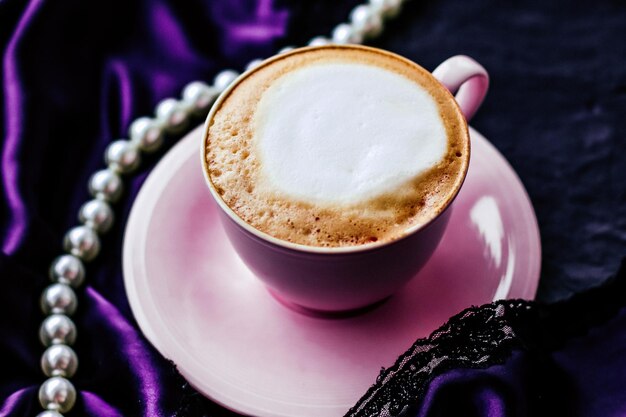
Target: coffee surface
[{"x": 337, "y": 146}]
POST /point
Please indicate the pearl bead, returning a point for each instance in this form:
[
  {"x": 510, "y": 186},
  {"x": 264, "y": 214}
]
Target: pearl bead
[
  {"x": 173, "y": 114},
  {"x": 106, "y": 185},
  {"x": 58, "y": 299},
  {"x": 146, "y": 134},
  {"x": 122, "y": 156},
  {"x": 253, "y": 64},
  {"x": 345, "y": 33},
  {"x": 59, "y": 360},
  {"x": 386, "y": 8},
  {"x": 200, "y": 97},
  {"x": 57, "y": 394},
  {"x": 286, "y": 49},
  {"x": 57, "y": 328},
  {"x": 67, "y": 269},
  {"x": 223, "y": 79},
  {"x": 319, "y": 41},
  {"x": 96, "y": 214},
  {"x": 83, "y": 242},
  {"x": 49, "y": 413},
  {"x": 366, "y": 22}
]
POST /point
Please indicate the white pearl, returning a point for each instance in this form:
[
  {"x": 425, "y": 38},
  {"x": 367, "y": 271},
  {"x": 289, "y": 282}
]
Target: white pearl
[
  {"x": 59, "y": 360},
  {"x": 253, "y": 64},
  {"x": 83, "y": 242},
  {"x": 122, "y": 156},
  {"x": 345, "y": 33},
  {"x": 57, "y": 329},
  {"x": 146, "y": 134},
  {"x": 386, "y": 8},
  {"x": 67, "y": 269},
  {"x": 319, "y": 41},
  {"x": 200, "y": 97},
  {"x": 58, "y": 299},
  {"x": 223, "y": 79},
  {"x": 286, "y": 49},
  {"x": 49, "y": 413},
  {"x": 96, "y": 214},
  {"x": 173, "y": 114},
  {"x": 57, "y": 394},
  {"x": 106, "y": 185},
  {"x": 366, "y": 22}
]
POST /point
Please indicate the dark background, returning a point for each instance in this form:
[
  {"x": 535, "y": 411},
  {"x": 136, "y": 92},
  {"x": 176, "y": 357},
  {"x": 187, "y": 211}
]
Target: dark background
[{"x": 76, "y": 73}]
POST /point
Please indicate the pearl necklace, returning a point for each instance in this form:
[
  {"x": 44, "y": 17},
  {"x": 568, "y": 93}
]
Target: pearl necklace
[{"x": 58, "y": 301}]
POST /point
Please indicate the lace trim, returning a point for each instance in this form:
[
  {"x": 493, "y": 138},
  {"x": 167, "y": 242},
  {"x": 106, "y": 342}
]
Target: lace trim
[
  {"x": 477, "y": 337},
  {"x": 480, "y": 337}
]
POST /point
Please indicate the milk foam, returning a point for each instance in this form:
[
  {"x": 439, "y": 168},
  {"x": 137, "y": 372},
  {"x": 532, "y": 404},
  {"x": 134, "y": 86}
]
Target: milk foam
[{"x": 341, "y": 132}]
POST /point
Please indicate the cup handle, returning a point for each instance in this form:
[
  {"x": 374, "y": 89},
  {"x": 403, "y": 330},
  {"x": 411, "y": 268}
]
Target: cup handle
[{"x": 467, "y": 78}]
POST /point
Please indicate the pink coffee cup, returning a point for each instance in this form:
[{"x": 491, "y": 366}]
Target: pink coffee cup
[{"x": 341, "y": 279}]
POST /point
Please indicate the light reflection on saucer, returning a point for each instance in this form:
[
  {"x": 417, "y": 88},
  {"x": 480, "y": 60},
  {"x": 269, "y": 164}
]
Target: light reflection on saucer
[{"x": 486, "y": 217}]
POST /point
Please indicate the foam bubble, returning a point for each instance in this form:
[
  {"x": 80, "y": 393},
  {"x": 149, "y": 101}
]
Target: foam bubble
[{"x": 340, "y": 132}]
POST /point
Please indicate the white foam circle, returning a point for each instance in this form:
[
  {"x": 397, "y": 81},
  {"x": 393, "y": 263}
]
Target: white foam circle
[{"x": 341, "y": 133}]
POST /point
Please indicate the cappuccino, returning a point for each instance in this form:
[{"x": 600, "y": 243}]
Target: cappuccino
[{"x": 337, "y": 146}]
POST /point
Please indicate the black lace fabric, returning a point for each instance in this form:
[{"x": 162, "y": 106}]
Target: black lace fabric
[
  {"x": 477, "y": 337},
  {"x": 481, "y": 337}
]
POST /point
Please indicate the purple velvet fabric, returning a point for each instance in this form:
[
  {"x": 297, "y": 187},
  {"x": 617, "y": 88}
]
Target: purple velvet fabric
[{"x": 75, "y": 73}]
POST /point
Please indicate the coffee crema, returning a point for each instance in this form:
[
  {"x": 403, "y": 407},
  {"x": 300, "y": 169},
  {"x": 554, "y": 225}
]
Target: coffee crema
[{"x": 337, "y": 146}]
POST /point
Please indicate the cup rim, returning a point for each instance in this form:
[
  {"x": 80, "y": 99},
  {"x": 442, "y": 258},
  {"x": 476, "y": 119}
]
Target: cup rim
[{"x": 298, "y": 247}]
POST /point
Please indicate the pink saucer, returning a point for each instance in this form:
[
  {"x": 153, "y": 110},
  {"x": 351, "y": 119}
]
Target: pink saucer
[{"x": 200, "y": 307}]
